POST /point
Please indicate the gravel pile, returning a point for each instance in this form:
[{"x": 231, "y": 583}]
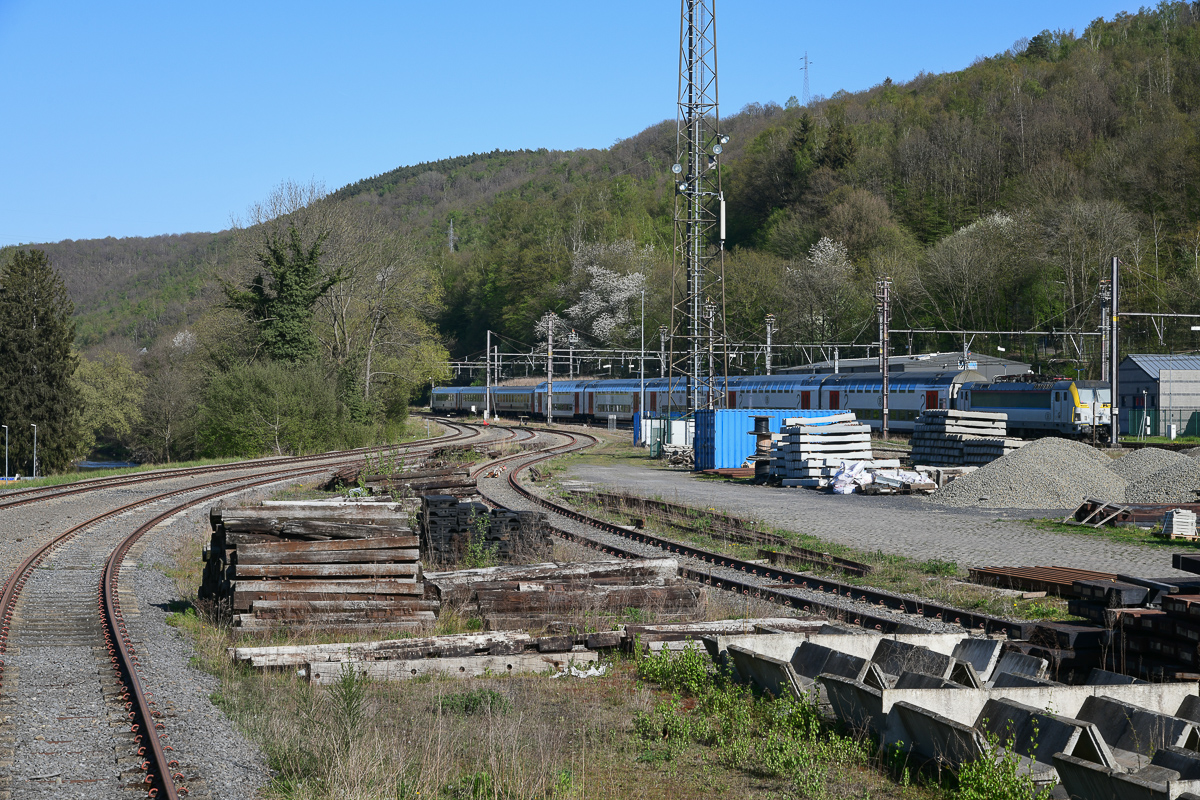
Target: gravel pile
[
  {"x": 1194, "y": 452},
  {"x": 1141, "y": 464},
  {"x": 1177, "y": 482},
  {"x": 1046, "y": 473}
]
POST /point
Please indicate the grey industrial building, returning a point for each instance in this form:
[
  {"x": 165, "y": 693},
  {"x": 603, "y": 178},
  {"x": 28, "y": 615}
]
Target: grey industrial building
[
  {"x": 989, "y": 366},
  {"x": 1166, "y": 386}
]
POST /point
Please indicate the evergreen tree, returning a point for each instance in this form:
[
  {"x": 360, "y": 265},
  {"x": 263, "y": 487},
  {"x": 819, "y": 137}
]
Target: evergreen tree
[
  {"x": 37, "y": 364},
  {"x": 281, "y": 298}
]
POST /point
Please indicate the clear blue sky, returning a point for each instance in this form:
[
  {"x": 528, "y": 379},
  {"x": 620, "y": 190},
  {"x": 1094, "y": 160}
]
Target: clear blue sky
[{"x": 134, "y": 119}]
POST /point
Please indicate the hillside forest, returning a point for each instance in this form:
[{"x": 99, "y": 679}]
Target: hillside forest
[{"x": 993, "y": 197}]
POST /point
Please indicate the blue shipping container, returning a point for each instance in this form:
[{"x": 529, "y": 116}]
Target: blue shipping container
[{"x": 723, "y": 438}]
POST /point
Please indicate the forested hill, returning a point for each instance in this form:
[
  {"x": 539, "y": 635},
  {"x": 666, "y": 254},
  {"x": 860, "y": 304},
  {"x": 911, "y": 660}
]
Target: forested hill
[{"x": 992, "y": 196}]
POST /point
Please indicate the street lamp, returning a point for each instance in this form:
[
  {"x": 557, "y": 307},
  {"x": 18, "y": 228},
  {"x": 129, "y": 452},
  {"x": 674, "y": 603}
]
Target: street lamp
[{"x": 34, "y": 450}]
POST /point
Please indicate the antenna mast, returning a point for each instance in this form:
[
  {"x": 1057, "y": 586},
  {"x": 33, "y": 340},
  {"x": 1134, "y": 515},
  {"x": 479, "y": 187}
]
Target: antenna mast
[
  {"x": 806, "y": 64},
  {"x": 699, "y": 263}
]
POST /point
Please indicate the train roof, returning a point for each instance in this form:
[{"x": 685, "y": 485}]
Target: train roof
[{"x": 906, "y": 378}]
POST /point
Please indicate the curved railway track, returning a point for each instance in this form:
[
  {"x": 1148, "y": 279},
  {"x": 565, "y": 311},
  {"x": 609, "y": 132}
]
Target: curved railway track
[
  {"x": 61, "y": 615},
  {"x": 11, "y": 499},
  {"x": 860, "y": 605}
]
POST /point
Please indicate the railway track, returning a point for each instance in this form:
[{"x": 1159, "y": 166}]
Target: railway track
[
  {"x": 11, "y": 499},
  {"x": 72, "y": 693},
  {"x": 860, "y": 605}
]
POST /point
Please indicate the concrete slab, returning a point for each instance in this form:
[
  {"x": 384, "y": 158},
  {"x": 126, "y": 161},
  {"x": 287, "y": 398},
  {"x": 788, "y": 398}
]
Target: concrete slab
[
  {"x": 1020, "y": 664},
  {"x": 1038, "y": 735},
  {"x": 1102, "y": 677},
  {"x": 771, "y": 675},
  {"x": 1087, "y": 780},
  {"x": 917, "y": 680},
  {"x": 982, "y": 654},
  {"x": 964, "y": 674},
  {"x": 937, "y": 738},
  {"x": 1189, "y": 709},
  {"x": 1007, "y": 680},
  {"x": 895, "y": 657},
  {"x": 812, "y": 659},
  {"x": 856, "y": 705},
  {"x": 1185, "y": 762},
  {"x": 1139, "y": 730}
]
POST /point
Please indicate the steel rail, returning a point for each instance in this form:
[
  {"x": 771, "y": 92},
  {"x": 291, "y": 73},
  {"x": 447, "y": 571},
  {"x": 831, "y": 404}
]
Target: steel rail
[
  {"x": 147, "y": 730},
  {"x": 97, "y": 484},
  {"x": 784, "y": 580},
  {"x": 140, "y": 708}
]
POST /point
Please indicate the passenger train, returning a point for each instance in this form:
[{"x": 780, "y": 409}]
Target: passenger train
[{"x": 1062, "y": 407}]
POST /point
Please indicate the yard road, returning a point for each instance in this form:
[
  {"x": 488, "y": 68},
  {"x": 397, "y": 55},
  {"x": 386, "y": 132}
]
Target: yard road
[{"x": 907, "y": 526}]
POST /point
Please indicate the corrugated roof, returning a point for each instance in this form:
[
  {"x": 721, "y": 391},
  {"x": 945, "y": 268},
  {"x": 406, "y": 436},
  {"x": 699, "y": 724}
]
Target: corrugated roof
[{"x": 1151, "y": 363}]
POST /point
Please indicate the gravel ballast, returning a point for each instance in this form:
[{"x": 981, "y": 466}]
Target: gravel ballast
[
  {"x": 1177, "y": 482},
  {"x": 1046, "y": 473},
  {"x": 1141, "y": 464},
  {"x": 1058, "y": 473}
]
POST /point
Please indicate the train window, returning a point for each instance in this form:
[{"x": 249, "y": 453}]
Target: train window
[{"x": 1057, "y": 396}]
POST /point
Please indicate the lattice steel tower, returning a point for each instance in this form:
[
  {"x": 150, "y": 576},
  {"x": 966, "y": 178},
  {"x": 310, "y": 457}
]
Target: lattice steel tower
[{"x": 699, "y": 263}]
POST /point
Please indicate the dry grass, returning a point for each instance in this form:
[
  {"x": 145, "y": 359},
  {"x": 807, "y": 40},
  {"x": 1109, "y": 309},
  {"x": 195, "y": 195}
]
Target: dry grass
[{"x": 545, "y": 738}]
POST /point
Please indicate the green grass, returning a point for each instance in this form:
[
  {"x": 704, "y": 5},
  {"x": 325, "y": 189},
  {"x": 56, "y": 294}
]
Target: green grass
[
  {"x": 1121, "y": 534},
  {"x": 1193, "y": 440}
]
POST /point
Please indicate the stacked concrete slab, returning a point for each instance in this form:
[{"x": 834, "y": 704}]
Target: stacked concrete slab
[
  {"x": 947, "y": 698},
  {"x": 946, "y": 438},
  {"x": 810, "y": 450}
]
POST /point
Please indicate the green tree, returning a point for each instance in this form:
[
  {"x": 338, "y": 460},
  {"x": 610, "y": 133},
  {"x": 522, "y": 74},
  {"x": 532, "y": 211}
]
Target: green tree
[
  {"x": 37, "y": 363},
  {"x": 274, "y": 407},
  {"x": 281, "y": 297},
  {"x": 110, "y": 399}
]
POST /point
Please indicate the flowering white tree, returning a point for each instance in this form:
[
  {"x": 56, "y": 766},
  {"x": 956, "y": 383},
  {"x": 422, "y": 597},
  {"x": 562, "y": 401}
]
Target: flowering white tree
[
  {"x": 608, "y": 279},
  {"x": 824, "y": 291}
]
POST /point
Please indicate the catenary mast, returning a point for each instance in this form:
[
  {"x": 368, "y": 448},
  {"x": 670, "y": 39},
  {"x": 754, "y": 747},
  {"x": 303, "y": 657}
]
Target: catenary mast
[{"x": 698, "y": 276}]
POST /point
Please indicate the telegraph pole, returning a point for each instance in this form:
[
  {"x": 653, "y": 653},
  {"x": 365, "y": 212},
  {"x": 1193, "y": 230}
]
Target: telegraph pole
[
  {"x": 770, "y": 330},
  {"x": 1105, "y": 302},
  {"x": 883, "y": 308},
  {"x": 642, "y": 369},
  {"x": 1114, "y": 405},
  {"x": 487, "y": 400},
  {"x": 699, "y": 202},
  {"x": 550, "y": 372}
]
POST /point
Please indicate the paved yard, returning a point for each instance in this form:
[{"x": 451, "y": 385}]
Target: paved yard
[{"x": 904, "y": 525}]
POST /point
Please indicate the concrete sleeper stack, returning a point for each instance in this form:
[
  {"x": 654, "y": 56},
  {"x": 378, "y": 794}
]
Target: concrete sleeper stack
[{"x": 946, "y": 438}]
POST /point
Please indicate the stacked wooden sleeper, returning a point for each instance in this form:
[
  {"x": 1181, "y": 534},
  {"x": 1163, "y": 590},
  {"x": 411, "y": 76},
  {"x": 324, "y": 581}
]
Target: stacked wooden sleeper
[
  {"x": 537, "y": 595},
  {"x": 353, "y": 565}
]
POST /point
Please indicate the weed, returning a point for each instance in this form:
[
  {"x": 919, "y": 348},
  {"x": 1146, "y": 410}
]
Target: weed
[
  {"x": 348, "y": 706},
  {"x": 997, "y": 777},
  {"x": 936, "y": 566},
  {"x": 475, "y": 701},
  {"x": 478, "y": 553}
]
